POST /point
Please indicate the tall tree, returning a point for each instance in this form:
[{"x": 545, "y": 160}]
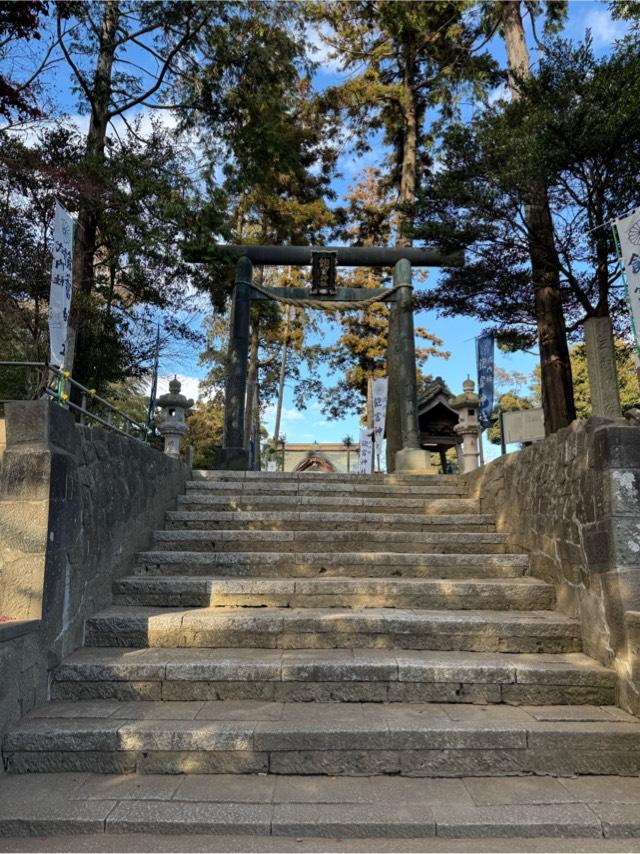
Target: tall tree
[
  {"x": 269, "y": 130},
  {"x": 95, "y": 41},
  {"x": 404, "y": 59},
  {"x": 573, "y": 128},
  {"x": 557, "y": 389}
]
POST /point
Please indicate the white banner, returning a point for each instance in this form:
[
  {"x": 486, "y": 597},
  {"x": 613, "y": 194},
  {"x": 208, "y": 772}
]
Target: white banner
[
  {"x": 628, "y": 229},
  {"x": 60, "y": 295},
  {"x": 379, "y": 391},
  {"x": 365, "y": 462}
]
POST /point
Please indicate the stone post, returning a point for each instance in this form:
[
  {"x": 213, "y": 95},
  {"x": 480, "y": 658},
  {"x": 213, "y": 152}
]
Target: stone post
[
  {"x": 601, "y": 365},
  {"x": 410, "y": 458},
  {"x": 466, "y": 404},
  {"x": 173, "y": 425},
  {"x": 234, "y": 454}
]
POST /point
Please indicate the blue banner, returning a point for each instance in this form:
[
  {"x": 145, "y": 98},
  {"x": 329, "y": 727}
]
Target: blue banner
[{"x": 484, "y": 359}]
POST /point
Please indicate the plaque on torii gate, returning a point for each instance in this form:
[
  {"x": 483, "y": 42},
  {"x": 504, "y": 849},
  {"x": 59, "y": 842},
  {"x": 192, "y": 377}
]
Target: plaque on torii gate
[{"x": 403, "y": 449}]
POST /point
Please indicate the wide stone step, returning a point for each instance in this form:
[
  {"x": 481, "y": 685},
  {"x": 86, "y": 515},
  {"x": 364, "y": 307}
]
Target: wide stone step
[
  {"x": 331, "y": 503},
  {"x": 335, "y": 740},
  {"x": 310, "y": 564},
  {"x": 342, "y": 676},
  {"x": 519, "y": 594},
  {"x": 306, "y": 520},
  {"x": 330, "y": 541},
  {"x": 370, "y": 810},
  {"x": 327, "y": 628},
  {"x": 319, "y": 486}
]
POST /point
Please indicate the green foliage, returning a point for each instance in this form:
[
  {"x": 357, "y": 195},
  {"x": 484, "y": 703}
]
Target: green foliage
[
  {"x": 404, "y": 61},
  {"x": 574, "y": 128},
  {"x": 205, "y": 431},
  {"x": 31, "y": 177},
  {"x": 627, "y": 377}
]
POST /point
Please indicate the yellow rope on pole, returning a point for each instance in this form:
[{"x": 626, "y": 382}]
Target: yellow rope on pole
[{"x": 328, "y": 305}]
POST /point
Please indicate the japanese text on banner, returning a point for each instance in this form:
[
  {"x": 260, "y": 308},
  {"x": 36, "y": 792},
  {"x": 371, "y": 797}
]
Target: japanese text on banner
[
  {"x": 380, "y": 388},
  {"x": 484, "y": 357},
  {"x": 628, "y": 229},
  {"x": 365, "y": 463},
  {"x": 61, "y": 284}
]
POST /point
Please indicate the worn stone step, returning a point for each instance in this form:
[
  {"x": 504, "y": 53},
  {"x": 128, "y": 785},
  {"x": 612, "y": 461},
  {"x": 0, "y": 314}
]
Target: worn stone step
[
  {"x": 326, "y": 628},
  {"x": 306, "y": 520},
  {"x": 320, "y": 486},
  {"x": 331, "y": 504},
  {"x": 519, "y": 594},
  {"x": 343, "y": 676},
  {"x": 330, "y": 541},
  {"x": 309, "y": 564},
  {"x": 370, "y": 810},
  {"x": 356, "y": 740}
]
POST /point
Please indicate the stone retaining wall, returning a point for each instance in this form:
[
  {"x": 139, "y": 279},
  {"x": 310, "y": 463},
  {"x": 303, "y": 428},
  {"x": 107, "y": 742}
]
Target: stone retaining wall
[
  {"x": 572, "y": 503},
  {"x": 76, "y": 504}
]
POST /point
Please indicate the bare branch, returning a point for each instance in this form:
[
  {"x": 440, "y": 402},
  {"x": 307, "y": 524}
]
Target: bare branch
[
  {"x": 83, "y": 83},
  {"x": 187, "y": 36}
]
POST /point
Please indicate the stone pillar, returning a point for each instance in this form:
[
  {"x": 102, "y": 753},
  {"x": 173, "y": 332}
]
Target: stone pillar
[
  {"x": 410, "y": 458},
  {"x": 468, "y": 426},
  {"x": 601, "y": 365},
  {"x": 234, "y": 454}
]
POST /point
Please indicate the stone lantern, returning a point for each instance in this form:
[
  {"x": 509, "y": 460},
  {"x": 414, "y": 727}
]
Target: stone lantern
[
  {"x": 173, "y": 425},
  {"x": 468, "y": 426}
]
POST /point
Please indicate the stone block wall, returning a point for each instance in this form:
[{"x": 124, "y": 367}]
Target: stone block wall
[
  {"x": 76, "y": 504},
  {"x": 572, "y": 503}
]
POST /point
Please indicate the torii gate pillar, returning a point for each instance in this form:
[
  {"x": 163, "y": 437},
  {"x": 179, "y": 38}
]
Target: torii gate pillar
[
  {"x": 404, "y": 454},
  {"x": 233, "y": 455}
]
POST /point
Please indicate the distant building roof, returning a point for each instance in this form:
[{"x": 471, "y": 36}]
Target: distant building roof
[
  {"x": 319, "y": 447},
  {"x": 432, "y": 389}
]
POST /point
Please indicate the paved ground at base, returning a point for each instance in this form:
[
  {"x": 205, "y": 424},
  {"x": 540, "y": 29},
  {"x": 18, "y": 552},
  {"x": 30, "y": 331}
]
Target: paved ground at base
[
  {"x": 205, "y": 843},
  {"x": 297, "y": 808}
]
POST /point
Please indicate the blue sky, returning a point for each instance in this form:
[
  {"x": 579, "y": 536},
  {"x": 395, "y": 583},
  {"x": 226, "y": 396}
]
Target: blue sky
[{"x": 458, "y": 333}]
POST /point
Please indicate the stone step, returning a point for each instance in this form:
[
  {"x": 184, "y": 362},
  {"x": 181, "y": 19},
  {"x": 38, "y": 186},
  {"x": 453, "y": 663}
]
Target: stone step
[
  {"x": 330, "y": 541},
  {"x": 327, "y": 628},
  {"x": 324, "y": 477},
  {"x": 336, "y": 740},
  {"x": 357, "y": 488},
  {"x": 306, "y": 520},
  {"x": 572, "y": 813},
  {"x": 341, "y": 676},
  {"x": 519, "y": 594},
  {"x": 331, "y": 503},
  {"x": 310, "y": 564}
]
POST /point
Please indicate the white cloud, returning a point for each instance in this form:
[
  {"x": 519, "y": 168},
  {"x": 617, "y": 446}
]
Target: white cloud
[
  {"x": 190, "y": 385},
  {"x": 320, "y": 51},
  {"x": 500, "y": 93},
  {"x": 604, "y": 29}
]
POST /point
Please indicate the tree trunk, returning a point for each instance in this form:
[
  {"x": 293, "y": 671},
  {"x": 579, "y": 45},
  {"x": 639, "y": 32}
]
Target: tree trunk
[
  {"x": 408, "y": 178},
  {"x": 408, "y": 184},
  {"x": 78, "y": 337},
  {"x": 555, "y": 366}
]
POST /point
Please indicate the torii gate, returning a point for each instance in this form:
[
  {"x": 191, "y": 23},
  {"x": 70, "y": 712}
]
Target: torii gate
[{"x": 402, "y": 412}]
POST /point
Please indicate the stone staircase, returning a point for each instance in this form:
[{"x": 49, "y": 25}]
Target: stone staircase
[{"x": 329, "y": 625}]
